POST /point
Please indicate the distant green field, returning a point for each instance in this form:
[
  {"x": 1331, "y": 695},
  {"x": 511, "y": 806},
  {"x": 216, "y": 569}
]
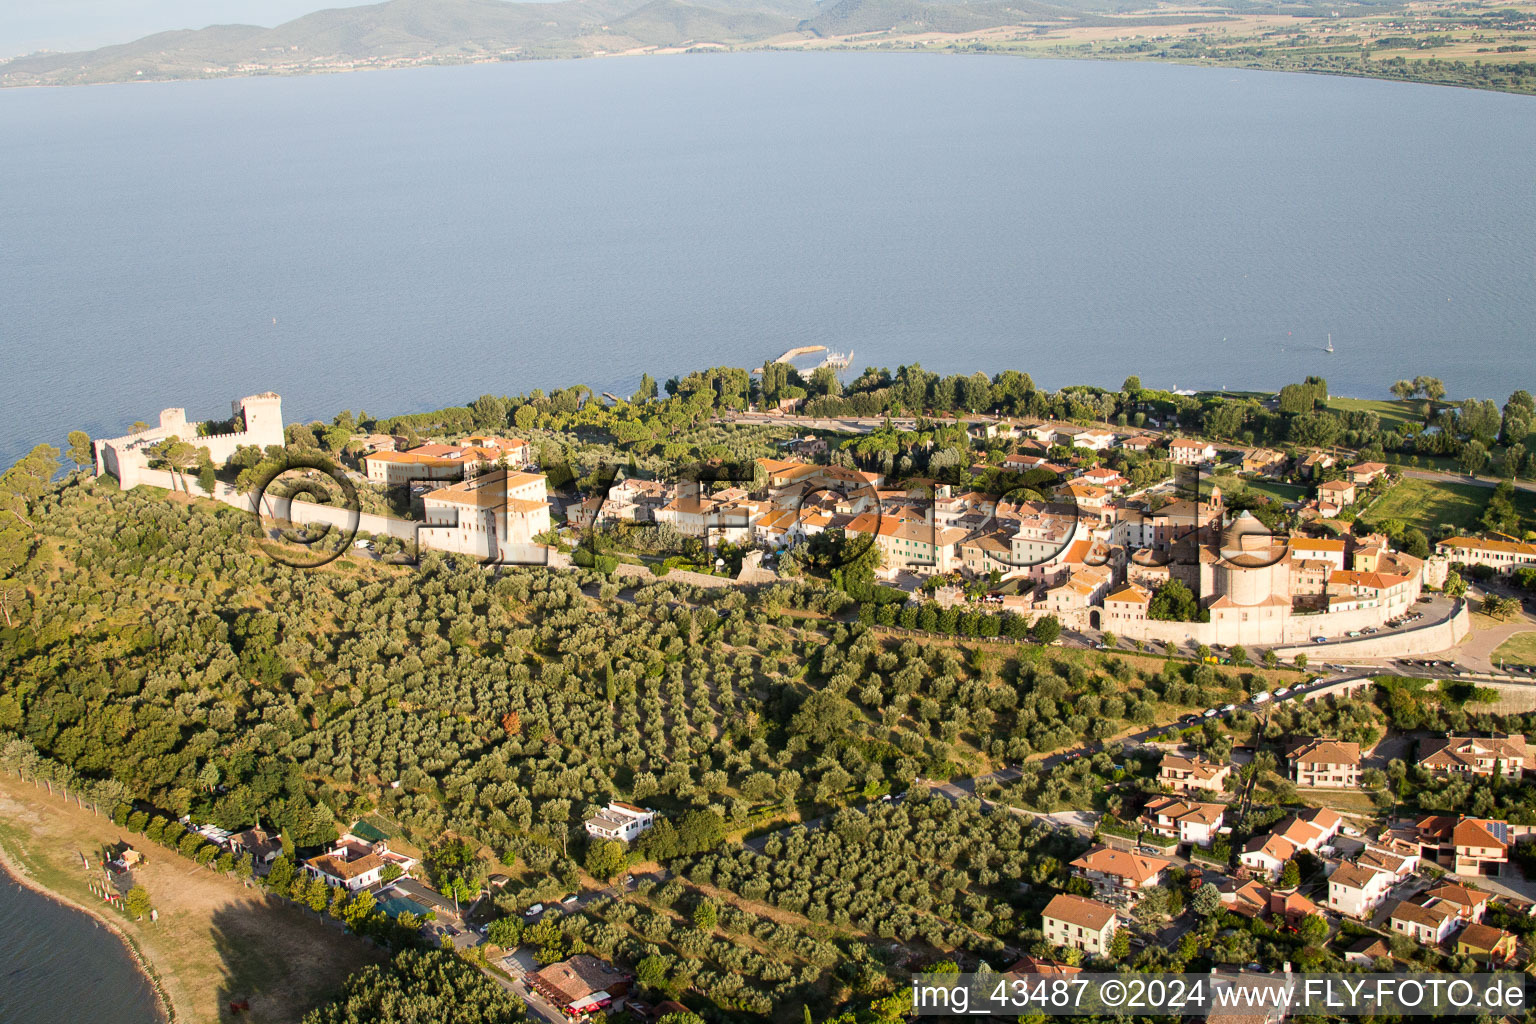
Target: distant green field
[
  {"x": 1392, "y": 412},
  {"x": 1427, "y": 504},
  {"x": 1231, "y": 485},
  {"x": 1519, "y": 649}
]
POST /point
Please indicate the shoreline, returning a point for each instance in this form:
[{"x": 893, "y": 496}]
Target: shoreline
[
  {"x": 13, "y": 865},
  {"x": 405, "y": 63}
]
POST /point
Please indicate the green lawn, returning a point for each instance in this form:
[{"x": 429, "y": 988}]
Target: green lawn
[
  {"x": 1231, "y": 485},
  {"x": 1426, "y": 504},
  {"x": 1392, "y": 412},
  {"x": 1519, "y": 649}
]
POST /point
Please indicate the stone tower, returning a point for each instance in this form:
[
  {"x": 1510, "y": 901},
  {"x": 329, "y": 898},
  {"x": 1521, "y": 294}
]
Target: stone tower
[{"x": 263, "y": 418}]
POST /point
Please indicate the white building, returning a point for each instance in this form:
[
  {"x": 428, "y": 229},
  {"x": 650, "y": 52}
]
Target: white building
[{"x": 620, "y": 821}]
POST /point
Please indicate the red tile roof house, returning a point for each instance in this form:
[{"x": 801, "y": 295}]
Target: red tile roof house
[
  {"x": 1427, "y": 925},
  {"x": 1192, "y": 774},
  {"x": 1117, "y": 874},
  {"x": 1357, "y": 891},
  {"x": 1185, "y": 820},
  {"x": 1466, "y": 902},
  {"x": 1325, "y": 763},
  {"x": 581, "y": 985},
  {"x": 1486, "y": 943},
  {"x": 1185, "y": 452},
  {"x": 1080, "y": 923},
  {"x": 1363, "y": 473},
  {"x": 1509, "y": 756},
  {"x": 355, "y": 864}
]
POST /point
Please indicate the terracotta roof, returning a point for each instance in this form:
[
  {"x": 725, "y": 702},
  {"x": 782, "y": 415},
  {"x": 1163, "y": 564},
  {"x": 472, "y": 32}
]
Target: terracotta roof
[
  {"x": 1075, "y": 910},
  {"x": 1509, "y": 547},
  {"x": 1135, "y": 867},
  {"x": 1321, "y": 751},
  {"x": 1202, "y": 769},
  {"x": 1463, "y": 896},
  {"x": 1419, "y": 914},
  {"x": 1483, "y": 937},
  {"x": 577, "y": 978},
  {"x": 1131, "y": 592},
  {"x": 339, "y": 867},
  {"x": 1481, "y": 832},
  {"x": 1354, "y": 876}
]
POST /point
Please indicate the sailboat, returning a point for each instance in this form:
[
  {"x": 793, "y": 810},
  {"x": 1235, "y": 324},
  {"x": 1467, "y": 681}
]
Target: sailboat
[{"x": 1329, "y": 349}]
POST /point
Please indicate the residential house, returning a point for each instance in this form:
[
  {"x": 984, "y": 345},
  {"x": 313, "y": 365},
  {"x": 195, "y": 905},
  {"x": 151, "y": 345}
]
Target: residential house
[
  {"x": 1119, "y": 874},
  {"x": 1313, "y": 463},
  {"x": 1319, "y": 549},
  {"x": 1399, "y": 866},
  {"x": 1263, "y": 461},
  {"x": 1508, "y": 756},
  {"x": 1364, "y": 952},
  {"x": 1325, "y": 763},
  {"x": 581, "y": 985},
  {"x": 1505, "y": 555},
  {"x": 1391, "y": 593},
  {"x": 1289, "y": 909},
  {"x": 1250, "y": 899},
  {"x": 1467, "y": 903},
  {"x": 1363, "y": 473},
  {"x": 1357, "y": 891},
  {"x": 1108, "y": 479},
  {"x": 915, "y": 545},
  {"x": 1486, "y": 944},
  {"x": 1481, "y": 846},
  {"x": 1126, "y": 605},
  {"x": 1094, "y": 439},
  {"x": 1139, "y": 443},
  {"x": 1183, "y": 451},
  {"x": 1029, "y": 966},
  {"x": 263, "y": 846},
  {"x": 1427, "y": 925},
  {"x": 1339, "y": 493},
  {"x": 1187, "y": 821},
  {"x": 620, "y": 821},
  {"x": 1079, "y": 923},
  {"x": 1192, "y": 774},
  {"x": 353, "y": 863}
]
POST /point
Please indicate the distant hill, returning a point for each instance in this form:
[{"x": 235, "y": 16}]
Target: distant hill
[
  {"x": 849, "y": 17},
  {"x": 424, "y": 31}
]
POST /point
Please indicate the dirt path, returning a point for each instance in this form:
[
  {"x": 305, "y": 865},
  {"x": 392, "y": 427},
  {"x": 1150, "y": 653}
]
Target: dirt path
[{"x": 215, "y": 941}]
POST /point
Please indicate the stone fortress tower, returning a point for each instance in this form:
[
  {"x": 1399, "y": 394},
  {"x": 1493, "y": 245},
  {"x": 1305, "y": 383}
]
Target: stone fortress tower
[{"x": 127, "y": 457}]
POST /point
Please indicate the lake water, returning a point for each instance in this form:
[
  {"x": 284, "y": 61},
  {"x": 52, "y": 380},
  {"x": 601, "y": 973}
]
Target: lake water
[
  {"x": 395, "y": 241},
  {"x": 61, "y": 965}
]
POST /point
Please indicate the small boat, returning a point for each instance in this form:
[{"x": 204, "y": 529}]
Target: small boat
[{"x": 1329, "y": 349}]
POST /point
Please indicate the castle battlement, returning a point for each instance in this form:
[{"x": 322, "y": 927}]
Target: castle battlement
[{"x": 124, "y": 457}]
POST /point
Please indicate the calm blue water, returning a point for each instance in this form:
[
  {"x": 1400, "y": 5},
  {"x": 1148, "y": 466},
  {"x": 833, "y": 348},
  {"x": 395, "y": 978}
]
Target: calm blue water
[
  {"x": 422, "y": 237},
  {"x": 57, "y": 964}
]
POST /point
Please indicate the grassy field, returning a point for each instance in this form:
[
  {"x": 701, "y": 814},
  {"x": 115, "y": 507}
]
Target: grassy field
[
  {"x": 1519, "y": 649},
  {"x": 215, "y": 940},
  {"x": 1231, "y": 485},
  {"x": 1392, "y": 412},
  {"x": 1427, "y": 504}
]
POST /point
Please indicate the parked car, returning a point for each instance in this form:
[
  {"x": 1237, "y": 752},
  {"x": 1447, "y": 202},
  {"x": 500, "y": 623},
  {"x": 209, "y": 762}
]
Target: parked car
[
  {"x": 1229, "y": 708},
  {"x": 1319, "y": 639},
  {"x": 1262, "y": 698},
  {"x": 534, "y": 911},
  {"x": 572, "y": 898},
  {"x": 1208, "y": 713}
]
